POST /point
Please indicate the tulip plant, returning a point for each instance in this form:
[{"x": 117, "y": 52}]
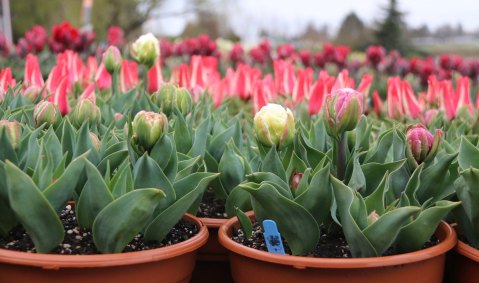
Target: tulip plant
[
  {"x": 136, "y": 154},
  {"x": 383, "y": 194}
]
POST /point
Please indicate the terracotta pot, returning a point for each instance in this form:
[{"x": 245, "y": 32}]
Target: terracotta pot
[
  {"x": 168, "y": 264},
  {"x": 212, "y": 264},
  {"x": 213, "y": 250},
  {"x": 463, "y": 264},
  {"x": 251, "y": 265}
]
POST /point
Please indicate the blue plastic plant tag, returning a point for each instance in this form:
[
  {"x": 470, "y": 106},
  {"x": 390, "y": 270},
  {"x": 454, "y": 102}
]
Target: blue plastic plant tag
[{"x": 272, "y": 237}]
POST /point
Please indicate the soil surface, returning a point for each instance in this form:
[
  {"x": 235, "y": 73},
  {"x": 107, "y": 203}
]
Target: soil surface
[
  {"x": 211, "y": 207},
  {"x": 331, "y": 245},
  {"x": 78, "y": 241}
]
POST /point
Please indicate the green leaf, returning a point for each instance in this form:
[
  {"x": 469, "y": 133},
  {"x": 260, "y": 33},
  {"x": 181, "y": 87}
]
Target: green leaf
[
  {"x": 8, "y": 220},
  {"x": 245, "y": 222},
  {"x": 382, "y": 233},
  {"x": 376, "y": 200},
  {"x": 374, "y": 173},
  {"x": 318, "y": 197},
  {"x": 279, "y": 184},
  {"x": 182, "y": 137},
  {"x": 201, "y": 137},
  {"x": 38, "y": 218},
  {"x": 61, "y": 191},
  {"x": 468, "y": 194},
  {"x": 93, "y": 198},
  {"x": 239, "y": 198},
  {"x": 167, "y": 219},
  {"x": 436, "y": 177},
  {"x": 272, "y": 163},
  {"x": 196, "y": 181},
  {"x": 358, "y": 180},
  {"x": 232, "y": 168},
  {"x": 114, "y": 159},
  {"x": 468, "y": 155},
  {"x": 122, "y": 182},
  {"x": 294, "y": 222},
  {"x": 121, "y": 220},
  {"x": 358, "y": 243},
  {"x": 147, "y": 174},
  {"x": 414, "y": 235},
  {"x": 413, "y": 185}
]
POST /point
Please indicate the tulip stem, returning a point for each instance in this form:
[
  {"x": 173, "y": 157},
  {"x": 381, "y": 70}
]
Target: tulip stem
[
  {"x": 115, "y": 83},
  {"x": 341, "y": 156}
]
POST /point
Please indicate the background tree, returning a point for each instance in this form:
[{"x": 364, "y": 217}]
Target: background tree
[
  {"x": 129, "y": 14},
  {"x": 353, "y": 32},
  {"x": 390, "y": 30}
]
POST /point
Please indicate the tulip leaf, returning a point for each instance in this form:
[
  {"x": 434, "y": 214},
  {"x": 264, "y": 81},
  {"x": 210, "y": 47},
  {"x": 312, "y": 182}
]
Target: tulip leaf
[
  {"x": 374, "y": 172},
  {"x": 195, "y": 181},
  {"x": 359, "y": 244},
  {"x": 239, "y": 198},
  {"x": 232, "y": 168},
  {"x": 279, "y": 184},
  {"x": 317, "y": 198},
  {"x": 200, "y": 139},
  {"x": 186, "y": 167},
  {"x": 114, "y": 159},
  {"x": 468, "y": 194},
  {"x": 121, "y": 220},
  {"x": 61, "y": 191},
  {"x": 382, "y": 233},
  {"x": 219, "y": 142},
  {"x": 147, "y": 174},
  {"x": 272, "y": 163},
  {"x": 357, "y": 180},
  {"x": 122, "y": 182},
  {"x": 413, "y": 185},
  {"x": 380, "y": 152},
  {"x": 182, "y": 136},
  {"x": 468, "y": 155},
  {"x": 93, "y": 198},
  {"x": 436, "y": 178},
  {"x": 164, "y": 153},
  {"x": 303, "y": 183},
  {"x": 84, "y": 143},
  {"x": 38, "y": 218},
  {"x": 376, "y": 200},
  {"x": 167, "y": 219},
  {"x": 414, "y": 235},
  {"x": 294, "y": 222},
  {"x": 8, "y": 219},
  {"x": 295, "y": 165},
  {"x": 245, "y": 222}
]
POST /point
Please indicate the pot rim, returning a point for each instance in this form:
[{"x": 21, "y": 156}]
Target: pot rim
[
  {"x": 57, "y": 261},
  {"x": 213, "y": 222},
  {"x": 447, "y": 235},
  {"x": 467, "y": 251}
]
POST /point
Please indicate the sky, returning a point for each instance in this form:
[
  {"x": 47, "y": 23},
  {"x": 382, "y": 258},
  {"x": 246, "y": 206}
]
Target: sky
[{"x": 290, "y": 17}]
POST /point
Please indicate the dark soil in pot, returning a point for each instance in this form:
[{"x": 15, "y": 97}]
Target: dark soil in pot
[
  {"x": 331, "y": 245},
  {"x": 78, "y": 241},
  {"x": 211, "y": 207}
]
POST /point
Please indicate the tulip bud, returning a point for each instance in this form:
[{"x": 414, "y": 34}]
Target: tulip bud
[
  {"x": 274, "y": 126},
  {"x": 421, "y": 145},
  {"x": 46, "y": 112},
  {"x": 343, "y": 111},
  {"x": 12, "y": 131},
  {"x": 95, "y": 141},
  {"x": 32, "y": 92},
  {"x": 86, "y": 110},
  {"x": 373, "y": 217},
  {"x": 295, "y": 180},
  {"x": 148, "y": 128},
  {"x": 170, "y": 97},
  {"x": 146, "y": 50},
  {"x": 112, "y": 59}
]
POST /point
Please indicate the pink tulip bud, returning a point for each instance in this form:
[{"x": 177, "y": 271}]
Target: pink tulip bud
[
  {"x": 12, "y": 131},
  {"x": 112, "y": 59},
  {"x": 295, "y": 180},
  {"x": 343, "y": 111},
  {"x": 421, "y": 145},
  {"x": 46, "y": 112},
  {"x": 373, "y": 217}
]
